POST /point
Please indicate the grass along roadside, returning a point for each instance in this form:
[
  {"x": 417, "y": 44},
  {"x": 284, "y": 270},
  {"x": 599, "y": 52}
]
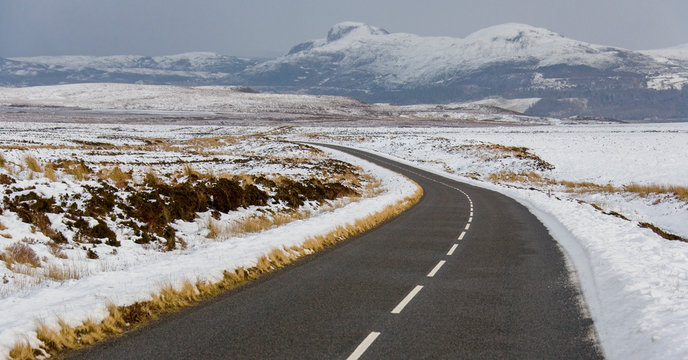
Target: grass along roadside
[
  {"x": 533, "y": 179},
  {"x": 169, "y": 299}
]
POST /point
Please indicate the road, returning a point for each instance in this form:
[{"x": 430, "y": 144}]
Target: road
[{"x": 465, "y": 273}]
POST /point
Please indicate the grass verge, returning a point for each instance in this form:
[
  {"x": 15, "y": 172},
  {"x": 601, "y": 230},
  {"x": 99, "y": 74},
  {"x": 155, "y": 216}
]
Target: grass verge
[{"x": 169, "y": 299}]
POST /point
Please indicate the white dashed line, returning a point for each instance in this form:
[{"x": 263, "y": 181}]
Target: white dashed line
[
  {"x": 462, "y": 235},
  {"x": 470, "y": 219},
  {"x": 407, "y": 299},
  {"x": 467, "y": 226},
  {"x": 453, "y": 248},
  {"x": 362, "y": 347},
  {"x": 436, "y": 268}
]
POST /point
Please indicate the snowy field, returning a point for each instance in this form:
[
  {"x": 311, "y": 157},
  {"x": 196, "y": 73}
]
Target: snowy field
[
  {"x": 634, "y": 281},
  {"x": 237, "y": 102},
  {"x": 591, "y": 185},
  {"x": 61, "y": 278}
]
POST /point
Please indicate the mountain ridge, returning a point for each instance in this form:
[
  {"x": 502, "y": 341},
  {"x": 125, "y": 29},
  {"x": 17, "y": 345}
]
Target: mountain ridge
[{"x": 355, "y": 59}]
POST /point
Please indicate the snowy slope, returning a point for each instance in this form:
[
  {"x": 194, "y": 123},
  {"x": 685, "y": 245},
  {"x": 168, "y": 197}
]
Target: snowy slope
[
  {"x": 679, "y": 52},
  {"x": 406, "y": 59},
  {"x": 242, "y": 102},
  {"x": 195, "y": 61}
]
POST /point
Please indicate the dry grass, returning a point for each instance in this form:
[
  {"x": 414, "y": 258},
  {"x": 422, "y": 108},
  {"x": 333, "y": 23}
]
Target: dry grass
[
  {"x": 497, "y": 151},
  {"x": 119, "y": 178},
  {"x": 3, "y": 162},
  {"x": 62, "y": 272},
  {"x": 22, "y": 350},
  {"x": 56, "y": 250},
  {"x": 660, "y": 232},
  {"x": 78, "y": 170},
  {"x": 580, "y": 187},
  {"x": 189, "y": 171},
  {"x": 522, "y": 177},
  {"x": 680, "y": 192},
  {"x": 32, "y": 164},
  {"x": 217, "y": 230},
  {"x": 19, "y": 253},
  {"x": 49, "y": 171},
  {"x": 169, "y": 298}
]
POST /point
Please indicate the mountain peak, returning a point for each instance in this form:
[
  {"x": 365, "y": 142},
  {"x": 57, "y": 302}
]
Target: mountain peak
[
  {"x": 512, "y": 32},
  {"x": 348, "y": 28}
]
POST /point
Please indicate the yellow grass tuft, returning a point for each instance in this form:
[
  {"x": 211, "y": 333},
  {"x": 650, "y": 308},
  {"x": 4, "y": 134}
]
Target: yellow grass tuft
[
  {"x": 680, "y": 192},
  {"x": 49, "y": 171},
  {"x": 78, "y": 170},
  {"x": 22, "y": 350},
  {"x": 32, "y": 164},
  {"x": 119, "y": 178},
  {"x": 20, "y": 253},
  {"x": 62, "y": 272},
  {"x": 533, "y": 178},
  {"x": 217, "y": 230}
]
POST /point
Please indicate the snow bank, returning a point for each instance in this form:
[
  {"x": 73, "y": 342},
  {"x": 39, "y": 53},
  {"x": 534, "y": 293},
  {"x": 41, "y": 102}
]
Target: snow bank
[{"x": 635, "y": 283}]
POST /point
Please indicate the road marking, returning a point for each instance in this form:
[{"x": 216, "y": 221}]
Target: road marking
[
  {"x": 451, "y": 251},
  {"x": 462, "y": 235},
  {"x": 471, "y": 214},
  {"x": 467, "y": 226},
  {"x": 362, "y": 347},
  {"x": 407, "y": 299},
  {"x": 436, "y": 268},
  {"x": 470, "y": 219}
]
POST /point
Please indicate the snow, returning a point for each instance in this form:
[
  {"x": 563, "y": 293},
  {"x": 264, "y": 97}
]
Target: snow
[
  {"x": 228, "y": 100},
  {"x": 518, "y": 105},
  {"x": 634, "y": 282},
  {"x": 405, "y": 59},
  {"x": 679, "y": 52},
  {"x": 134, "y": 272},
  {"x": 196, "y": 60},
  {"x": 668, "y": 81}
]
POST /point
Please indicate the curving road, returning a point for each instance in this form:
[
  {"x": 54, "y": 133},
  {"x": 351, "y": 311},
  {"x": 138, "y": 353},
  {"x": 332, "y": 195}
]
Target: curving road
[{"x": 466, "y": 273}]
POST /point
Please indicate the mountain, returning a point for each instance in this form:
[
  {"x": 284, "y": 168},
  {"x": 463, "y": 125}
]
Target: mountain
[
  {"x": 182, "y": 69},
  {"x": 506, "y": 61},
  {"x": 509, "y": 61}
]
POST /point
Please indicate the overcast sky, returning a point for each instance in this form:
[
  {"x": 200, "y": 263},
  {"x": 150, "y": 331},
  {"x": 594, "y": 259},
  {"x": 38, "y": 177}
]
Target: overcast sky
[{"x": 270, "y": 27}]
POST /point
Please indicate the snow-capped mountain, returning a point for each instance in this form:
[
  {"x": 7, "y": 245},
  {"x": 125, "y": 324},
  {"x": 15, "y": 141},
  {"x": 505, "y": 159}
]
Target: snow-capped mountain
[
  {"x": 509, "y": 61},
  {"x": 403, "y": 60},
  {"x": 188, "y": 68}
]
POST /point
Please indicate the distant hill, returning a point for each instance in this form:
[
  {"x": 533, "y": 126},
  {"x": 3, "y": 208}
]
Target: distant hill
[{"x": 510, "y": 61}]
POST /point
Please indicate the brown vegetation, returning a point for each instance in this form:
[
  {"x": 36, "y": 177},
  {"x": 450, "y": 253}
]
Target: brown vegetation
[
  {"x": 661, "y": 232},
  {"x": 20, "y": 253},
  {"x": 497, "y": 151},
  {"x": 32, "y": 164},
  {"x": 168, "y": 299},
  {"x": 533, "y": 178}
]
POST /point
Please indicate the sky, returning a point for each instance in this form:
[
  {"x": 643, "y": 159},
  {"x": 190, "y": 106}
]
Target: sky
[{"x": 268, "y": 28}]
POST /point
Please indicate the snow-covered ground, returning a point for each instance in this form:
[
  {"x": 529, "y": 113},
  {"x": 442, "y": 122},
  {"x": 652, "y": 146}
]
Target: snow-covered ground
[
  {"x": 131, "y": 271},
  {"x": 634, "y": 281},
  {"x": 237, "y": 102}
]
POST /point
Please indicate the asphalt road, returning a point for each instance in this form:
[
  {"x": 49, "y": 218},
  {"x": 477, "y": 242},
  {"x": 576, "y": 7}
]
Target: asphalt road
[{"x": 466, "y": 273}]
